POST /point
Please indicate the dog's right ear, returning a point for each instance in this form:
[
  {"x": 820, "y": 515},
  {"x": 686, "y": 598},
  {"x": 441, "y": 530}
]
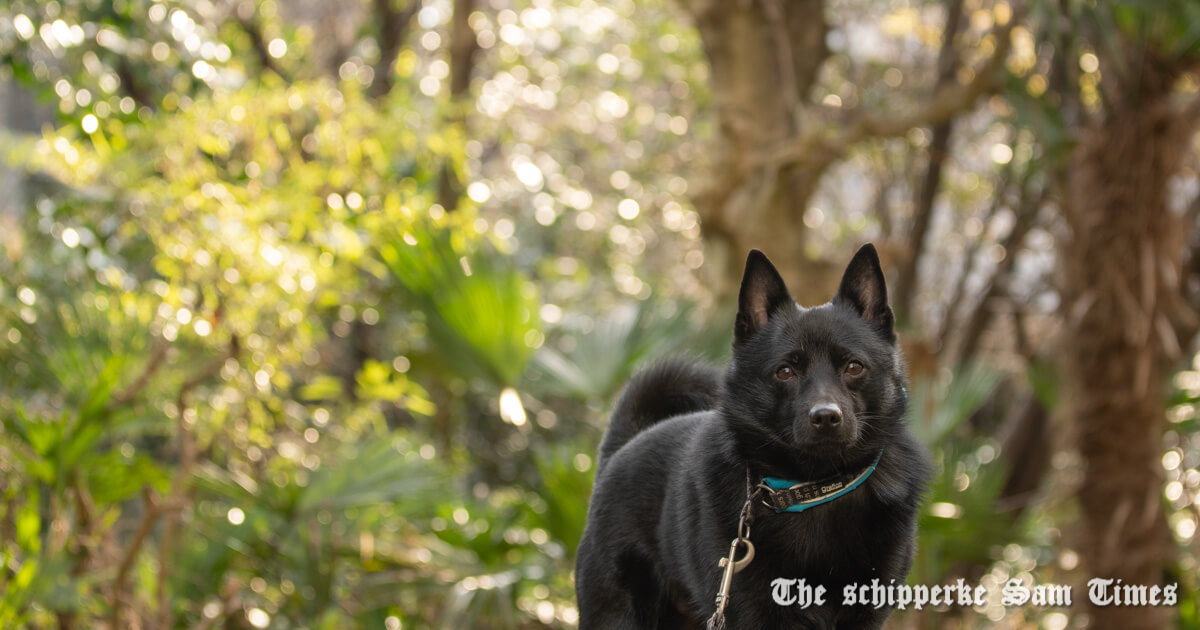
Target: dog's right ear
[{"x": 762, "y": 292}]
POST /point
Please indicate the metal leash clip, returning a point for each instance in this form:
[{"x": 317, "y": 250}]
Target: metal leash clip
[{"x": 731, "y": 565}]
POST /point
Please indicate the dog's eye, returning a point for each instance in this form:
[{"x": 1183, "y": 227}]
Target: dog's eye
[
  {"x": 854, "y": 368},
  {"x": 784, "y": 372}
]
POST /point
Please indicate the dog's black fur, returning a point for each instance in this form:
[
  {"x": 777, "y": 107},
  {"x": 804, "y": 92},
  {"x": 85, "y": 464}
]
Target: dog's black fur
[{"x": 671, "y": 476}]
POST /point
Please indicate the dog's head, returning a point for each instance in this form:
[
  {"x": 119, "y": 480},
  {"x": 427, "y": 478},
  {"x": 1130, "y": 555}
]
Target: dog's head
[{"x": 820, "y": 385}]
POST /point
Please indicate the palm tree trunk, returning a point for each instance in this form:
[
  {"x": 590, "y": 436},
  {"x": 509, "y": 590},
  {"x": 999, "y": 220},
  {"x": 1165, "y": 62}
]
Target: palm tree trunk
[{"x": 1122, "y": 267}]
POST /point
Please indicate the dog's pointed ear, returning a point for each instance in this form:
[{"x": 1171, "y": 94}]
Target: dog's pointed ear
[
  {"x": 863, "y": 289},
  {"x": 762, "y": 292}
]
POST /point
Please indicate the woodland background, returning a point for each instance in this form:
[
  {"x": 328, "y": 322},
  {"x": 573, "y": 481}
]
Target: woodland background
[{"x": 311, "y": 312}]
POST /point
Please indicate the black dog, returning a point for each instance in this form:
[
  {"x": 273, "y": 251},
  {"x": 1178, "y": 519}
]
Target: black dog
[{"x": 810, "y": 395}]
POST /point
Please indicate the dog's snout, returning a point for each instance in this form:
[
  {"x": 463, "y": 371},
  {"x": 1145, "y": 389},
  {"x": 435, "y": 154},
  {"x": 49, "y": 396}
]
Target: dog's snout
[{"x": 825, "y": 415}]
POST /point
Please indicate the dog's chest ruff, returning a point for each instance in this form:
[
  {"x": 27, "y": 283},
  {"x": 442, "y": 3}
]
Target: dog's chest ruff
[{"x": 781, "y": 495}]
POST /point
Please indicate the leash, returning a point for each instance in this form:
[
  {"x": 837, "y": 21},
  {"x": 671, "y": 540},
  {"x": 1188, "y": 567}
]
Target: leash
[{"x": 781, "y": 495}]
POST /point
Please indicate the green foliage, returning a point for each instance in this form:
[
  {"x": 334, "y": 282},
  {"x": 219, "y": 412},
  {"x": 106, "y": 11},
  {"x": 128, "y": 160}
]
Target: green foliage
[
  {"x": 604, "y": 357},
  {"x": 1042, "y": 118},
  {"x": 313, "y": 534},
  {"x": 253, "y": 340},
  {"x": 565, "y": 475},
  {"x": 1180, "y": 500},
  {"x": 1171, "y": 27},
  {"x": 239, "y": 323},
  {"x": 960, "y": 526},
  {"x": 477, "y": 306},
  {"x": 937, "y": 409}
]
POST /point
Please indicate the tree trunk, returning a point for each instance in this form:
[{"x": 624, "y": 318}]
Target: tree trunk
[
  {"x": 463, "y": 49},
  {"x": 393, "y": 29},
  {"x": 772, "y": 146},
  {"x": 764, "y": 56},
  {"x": 1122, "y": 265}
]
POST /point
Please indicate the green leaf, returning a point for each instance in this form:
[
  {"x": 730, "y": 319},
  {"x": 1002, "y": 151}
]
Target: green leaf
[
  {"x": 936, "y": 409},
  {"x": 323, "y": 387},
  {"x": 480, "y": 310},
  {"x": 373, "y": 475},
  {"x": 603, "y": 358},
  {"x": 29, "y": 524}
]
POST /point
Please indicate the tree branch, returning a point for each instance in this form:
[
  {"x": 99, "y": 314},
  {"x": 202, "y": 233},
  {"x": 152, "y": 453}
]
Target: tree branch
[
  {"x": 950, "y": 316},
  {"x": 820, "y": 147},
  {"x": 879, "y": 205},
  {"x": 149, "y": 519},
  {"x": 179, "y": 483},
  {"x": 259, "y": 43},
  {"x": 127, "y": 395},
  {"x": 939, "y": 146},
  {"x": 132, "y": 86},
  {"x": 1028, "y": 207}
]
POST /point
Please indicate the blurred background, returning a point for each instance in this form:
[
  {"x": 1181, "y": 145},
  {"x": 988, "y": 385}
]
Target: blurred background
[{"x": 311, "y": 312}]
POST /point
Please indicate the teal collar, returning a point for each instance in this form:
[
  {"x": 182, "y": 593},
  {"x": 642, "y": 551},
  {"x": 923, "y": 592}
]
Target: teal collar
[{"x": 783, "y": 495}]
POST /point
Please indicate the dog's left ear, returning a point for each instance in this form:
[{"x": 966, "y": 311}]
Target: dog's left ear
[{"x": 863, "y": 290}]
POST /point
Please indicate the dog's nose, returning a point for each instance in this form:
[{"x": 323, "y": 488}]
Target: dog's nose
[{"x": 825, "y": 415}]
